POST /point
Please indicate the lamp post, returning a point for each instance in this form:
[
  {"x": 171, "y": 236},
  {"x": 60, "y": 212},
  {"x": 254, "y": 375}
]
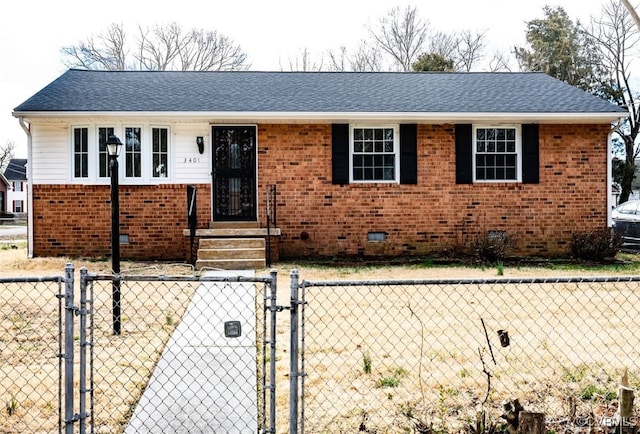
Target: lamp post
[{"x": 113, "y": 149}]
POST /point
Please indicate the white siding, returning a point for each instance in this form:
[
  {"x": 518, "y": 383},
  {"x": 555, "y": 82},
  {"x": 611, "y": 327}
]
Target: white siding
[
  {"x": 50, "y": 144},
  {"x": 52, "y": 151},
  {"x": 189, "y": 165}
]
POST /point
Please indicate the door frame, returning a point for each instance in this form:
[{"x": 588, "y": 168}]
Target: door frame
[{"x": 211, "y": 177}]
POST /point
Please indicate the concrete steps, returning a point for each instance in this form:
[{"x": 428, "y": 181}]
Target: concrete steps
[
  {"x": 232, "y": 245},
  {"x": 227, "y": 253}
]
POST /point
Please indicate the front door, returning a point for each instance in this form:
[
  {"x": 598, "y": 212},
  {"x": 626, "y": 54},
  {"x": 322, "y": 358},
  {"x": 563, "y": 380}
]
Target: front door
[{"x": 234, "y": 173}]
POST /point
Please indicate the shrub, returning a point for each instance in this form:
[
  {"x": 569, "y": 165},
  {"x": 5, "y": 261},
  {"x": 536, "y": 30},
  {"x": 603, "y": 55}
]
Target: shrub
[
  {"x": 596, "y": 245},
  {"x": 492, "y": 246}
]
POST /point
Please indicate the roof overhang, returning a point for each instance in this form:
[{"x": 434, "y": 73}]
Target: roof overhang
[{"x": 297, "y": 117}]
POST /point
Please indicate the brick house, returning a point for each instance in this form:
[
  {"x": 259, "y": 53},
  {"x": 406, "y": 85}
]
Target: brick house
[{"x": 364, "y": 163}]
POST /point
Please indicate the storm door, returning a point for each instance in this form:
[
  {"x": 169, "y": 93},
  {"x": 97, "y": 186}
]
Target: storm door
[{"x": 234, "y": 173}]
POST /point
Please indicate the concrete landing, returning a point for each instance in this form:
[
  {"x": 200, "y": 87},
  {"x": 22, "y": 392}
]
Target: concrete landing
[{"x": 205, "y": 382}]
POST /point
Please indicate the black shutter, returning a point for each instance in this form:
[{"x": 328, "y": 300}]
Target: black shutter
[
  {"x": 340, "y": 153},
  {"x": 464, "y": 154},
  {"x": 530, "y": 154},
  {"x": 408, "y": 154}
]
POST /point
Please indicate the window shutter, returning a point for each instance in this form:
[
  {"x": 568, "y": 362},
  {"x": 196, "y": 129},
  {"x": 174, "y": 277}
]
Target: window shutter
[
  {"x": 464, "y": 154},
  {"x": 408, "y": 154},
  {"x": 340, "y": 153},
  {"x": 530, "y": 154}
]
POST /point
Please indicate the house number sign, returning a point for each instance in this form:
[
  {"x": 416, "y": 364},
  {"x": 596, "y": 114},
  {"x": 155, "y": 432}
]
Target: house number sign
[{"x": 191, "y": 160}]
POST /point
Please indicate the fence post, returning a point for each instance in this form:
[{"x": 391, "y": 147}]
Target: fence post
[
  {"x": 69, "y": 418},
  {"x": 83, "y": 350},
  {"x": 272, "y": 358},
  {"x": 294, "y": 371}
]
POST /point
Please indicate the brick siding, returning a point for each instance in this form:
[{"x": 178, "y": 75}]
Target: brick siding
[
  {"x": 319, "y": 218},
  {"x": 75, "y": 220}
]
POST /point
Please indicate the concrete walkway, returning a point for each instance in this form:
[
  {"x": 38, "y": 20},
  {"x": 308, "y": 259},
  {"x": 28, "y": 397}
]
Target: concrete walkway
[{"x": 205, "y": 382}]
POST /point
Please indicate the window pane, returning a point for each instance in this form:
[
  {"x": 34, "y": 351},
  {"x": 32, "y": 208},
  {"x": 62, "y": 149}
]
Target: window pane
[
  {"x": 368, "y": 147},
  {"x": 80, "y": 152},
  {"x": 103, "y": 156},
  {"x": 160, "y": 156},
  {"x": 378, "y": 134},
  {"x": 368, "y": 134},
  {"x": 133, "y": 152},
  {"x": 358, "y": 147}
]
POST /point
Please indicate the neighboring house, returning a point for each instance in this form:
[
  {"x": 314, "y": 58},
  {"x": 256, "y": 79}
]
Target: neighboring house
[
  {"x": 4, "y": 187},
  {"x": 16, "y": 174},
  {"x": 364, "y": 163}
]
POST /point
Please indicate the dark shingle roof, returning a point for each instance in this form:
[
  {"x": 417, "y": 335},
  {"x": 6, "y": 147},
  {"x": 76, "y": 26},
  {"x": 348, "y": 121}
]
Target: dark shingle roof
[
  {"x": 311, "y": 92},
  {"x": 16, "y": 170}
]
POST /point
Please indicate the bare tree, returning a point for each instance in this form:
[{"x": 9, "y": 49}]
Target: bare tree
[
  {"x": 401, "y": 34},
  {"x": 617, "y": 38},
  {"x": 104, "y": 51},
  {"x": 444, "y": 44},
  {"x": 469, "y": 50},
  {"x": 366, "y": 58},
  {"x": 304, "y": 62},
  {"x": 6, "y": 154},
  {"x": 499, "y": 62},
  {"x": 160, "y": 48}
]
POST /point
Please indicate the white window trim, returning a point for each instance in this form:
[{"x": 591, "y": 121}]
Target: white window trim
[
  {"x": 146, "y": 177},
  {"x": 72, "y": 154},
  {"x": 396, "y": 152},
  {"x": 170, "y": 159},
  {"x": 474, "y": 148}
]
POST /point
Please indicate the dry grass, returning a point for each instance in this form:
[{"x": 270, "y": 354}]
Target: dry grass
[{"x": 126, "y": 363}]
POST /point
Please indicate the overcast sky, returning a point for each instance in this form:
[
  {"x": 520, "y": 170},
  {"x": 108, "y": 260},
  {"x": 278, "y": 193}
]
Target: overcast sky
[{"x": 271, "y": 32}]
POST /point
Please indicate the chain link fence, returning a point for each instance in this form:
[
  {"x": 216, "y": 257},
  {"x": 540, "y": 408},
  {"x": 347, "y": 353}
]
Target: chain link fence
[
  {"x": 188, "y": 354},
  {"x": 31, "y": 324},
  {"x": 199, "y": 353},
  {"x": 416, "y": 356}
]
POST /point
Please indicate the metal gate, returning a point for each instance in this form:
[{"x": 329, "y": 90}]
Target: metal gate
[{"x": 193, "y": 354}]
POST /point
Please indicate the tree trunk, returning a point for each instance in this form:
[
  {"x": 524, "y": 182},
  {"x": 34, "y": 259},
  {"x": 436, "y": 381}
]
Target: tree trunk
[{"x": 531, "y": 423}]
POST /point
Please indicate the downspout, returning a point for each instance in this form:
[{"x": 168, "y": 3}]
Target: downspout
[
  {"x": 27, "y": 130},
  {"x": 610, "y": 201}
]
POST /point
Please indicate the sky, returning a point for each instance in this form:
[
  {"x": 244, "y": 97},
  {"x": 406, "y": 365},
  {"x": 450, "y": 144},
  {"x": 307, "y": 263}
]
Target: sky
[{"x": 272, "y": 32}]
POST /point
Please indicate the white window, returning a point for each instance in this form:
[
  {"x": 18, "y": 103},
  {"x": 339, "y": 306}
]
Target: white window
[
  {"x": 17, "y": 186},
  {"x": 145, "y": 155},
  {"x": 160, "y": 152},
  {"x": 497, "y": 153},
  {"x": 81, "y": 152},
  {"x": 18, "y": 206},
  {"x": 103, "y": 155},
  {"x": 133, "y": 152},
  {"x": 374, "y": 154}
]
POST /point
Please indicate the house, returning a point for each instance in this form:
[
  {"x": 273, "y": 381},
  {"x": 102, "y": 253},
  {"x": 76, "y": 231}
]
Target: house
[
  {"x": 4, "y": 187},
  {"x": 16, "y": 175},
  {"x": 362, "y": 163}
]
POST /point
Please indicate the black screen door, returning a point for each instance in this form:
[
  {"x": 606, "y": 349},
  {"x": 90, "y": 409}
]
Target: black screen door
[{"x": 234, "y": 173}]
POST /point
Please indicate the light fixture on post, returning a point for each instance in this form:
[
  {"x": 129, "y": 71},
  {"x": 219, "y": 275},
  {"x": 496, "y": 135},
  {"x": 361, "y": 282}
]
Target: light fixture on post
[
  {"x": 113, "y": 149},
  {"x": 200, "y": 143}
]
